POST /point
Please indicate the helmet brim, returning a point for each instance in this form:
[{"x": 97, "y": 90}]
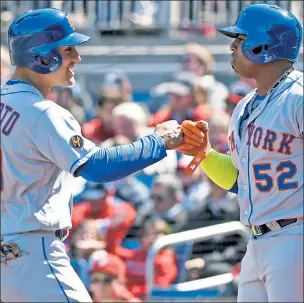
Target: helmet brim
[
  {"x": 74, "y": 39},
  {"x": 232, "y": 31},
  {"x": 70, "y": 40}
]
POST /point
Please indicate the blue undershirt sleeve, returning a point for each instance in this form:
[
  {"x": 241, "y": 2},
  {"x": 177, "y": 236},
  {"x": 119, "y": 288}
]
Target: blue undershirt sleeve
[
  {"x": 111, "y": 164},
  {"x": 235, "y": 188}
]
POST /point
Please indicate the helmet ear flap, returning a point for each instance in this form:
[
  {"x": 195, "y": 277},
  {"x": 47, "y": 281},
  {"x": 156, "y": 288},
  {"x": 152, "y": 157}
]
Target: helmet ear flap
[
  {"x": 259, "y": 49},
  {"x": 259, "y": 53},
  {"x": 48, "y": 62},
  {"x": 43, "y": 61}
]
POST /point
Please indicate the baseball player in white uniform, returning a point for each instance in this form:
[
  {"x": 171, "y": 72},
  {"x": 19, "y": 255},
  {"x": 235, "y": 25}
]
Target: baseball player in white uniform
[
  {"x": 41, "y": 145},
  {"x": 265, "y": 163}
]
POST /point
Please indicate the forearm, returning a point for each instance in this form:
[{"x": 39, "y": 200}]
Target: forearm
[
  {"x": 111, "y": 164},
  {"x": 220, "y": 169}
]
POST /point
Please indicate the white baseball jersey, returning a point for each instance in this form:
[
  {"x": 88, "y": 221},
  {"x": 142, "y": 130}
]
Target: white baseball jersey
[
  {"x": 269, "y": 154},
  {"x": 41, "y": 146}
]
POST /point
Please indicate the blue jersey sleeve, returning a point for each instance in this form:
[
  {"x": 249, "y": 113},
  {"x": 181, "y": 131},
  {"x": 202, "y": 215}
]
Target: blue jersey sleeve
[{"x": 110, "y": 164}]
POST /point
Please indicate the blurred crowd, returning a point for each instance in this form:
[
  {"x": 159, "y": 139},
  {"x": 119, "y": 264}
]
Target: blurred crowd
[{"x": 115, "y": 224}]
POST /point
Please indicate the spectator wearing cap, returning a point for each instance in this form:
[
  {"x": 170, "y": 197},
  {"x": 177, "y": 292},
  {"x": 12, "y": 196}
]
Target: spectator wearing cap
[
  {"x": 168, "y": 195},
  {"x": 165, "y": 267},
  {"x": 199, "y": 61},
  {"x": 182, "y": 103},
  {"x": 115, "y": 89},
  {"x": 116, "y": 85},
  {"x": 107, "y": 275},
  {"x": 129, "y": 120},
  {"x": 5, "y": 64},
  {"x": 112, "y": 217},
  {"x": 237, "y": 91}
]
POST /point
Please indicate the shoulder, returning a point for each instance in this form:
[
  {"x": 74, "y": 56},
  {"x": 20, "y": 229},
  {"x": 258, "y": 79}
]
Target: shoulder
[
  {"x": 51, "y": 111},
  {"x": 297, "y": 87},
  {"x": 293, "y": 86},
  {"x": 50, "y": 106},
  {"x": 292, "y": 91},
  {"x": 298, "y": 79}
]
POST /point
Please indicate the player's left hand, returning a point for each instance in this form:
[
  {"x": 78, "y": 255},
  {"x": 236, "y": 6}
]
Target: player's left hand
[{"x": 196, "y": 138}]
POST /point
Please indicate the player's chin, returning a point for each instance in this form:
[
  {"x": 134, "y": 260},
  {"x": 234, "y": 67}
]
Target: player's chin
[
  {"x": 70, "y": 81},
  {"x": 236, "y": 71}
]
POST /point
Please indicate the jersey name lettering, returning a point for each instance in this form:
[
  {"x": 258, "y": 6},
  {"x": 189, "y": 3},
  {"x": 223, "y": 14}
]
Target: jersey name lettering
[
  {"x": 267, "y": 139},
  {"x": 8, "y": 118},
  {"x": 270, "y": 140}
]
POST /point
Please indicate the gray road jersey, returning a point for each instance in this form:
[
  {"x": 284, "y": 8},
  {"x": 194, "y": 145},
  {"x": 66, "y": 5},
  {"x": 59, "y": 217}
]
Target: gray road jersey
[
  {"x": 41, "y": 147},
  {"x": 269, "y": 156}
]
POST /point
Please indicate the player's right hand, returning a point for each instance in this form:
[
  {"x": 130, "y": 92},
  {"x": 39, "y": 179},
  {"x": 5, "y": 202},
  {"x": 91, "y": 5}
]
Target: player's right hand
[
  {"x": 196, "y": 138},
  {"x": 171, "y": 134}
]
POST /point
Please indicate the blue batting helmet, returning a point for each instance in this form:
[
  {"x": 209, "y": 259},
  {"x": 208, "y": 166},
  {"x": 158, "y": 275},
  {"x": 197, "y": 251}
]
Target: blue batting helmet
[
  {"x": 36, "y": 35},
  {"x": 272, "y": 33}
]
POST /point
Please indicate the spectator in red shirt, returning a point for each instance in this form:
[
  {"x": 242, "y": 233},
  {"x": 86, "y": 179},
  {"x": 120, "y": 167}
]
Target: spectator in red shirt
[
  {"x": 165, "y": 266},
  {"x": 107, "y": 275},
  {"x": 115, "y": 89},
  {"x": 113, "y": 217}
]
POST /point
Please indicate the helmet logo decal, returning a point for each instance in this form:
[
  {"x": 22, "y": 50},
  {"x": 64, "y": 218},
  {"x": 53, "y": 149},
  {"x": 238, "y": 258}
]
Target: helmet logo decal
[{"x": 71, "y": 22}]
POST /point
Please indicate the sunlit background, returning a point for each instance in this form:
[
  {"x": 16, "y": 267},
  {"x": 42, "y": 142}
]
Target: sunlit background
[{"x": 147, "y": 62}]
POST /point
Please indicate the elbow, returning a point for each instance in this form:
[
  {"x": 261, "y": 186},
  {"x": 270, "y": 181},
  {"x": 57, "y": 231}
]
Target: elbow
[{"x": 94, "y": 174}]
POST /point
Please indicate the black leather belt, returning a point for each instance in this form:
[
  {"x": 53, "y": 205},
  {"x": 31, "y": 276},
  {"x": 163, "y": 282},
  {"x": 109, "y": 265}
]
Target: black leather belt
[
  {"x": 263, "y": 229},
  {"x": 62, "y": 233}
]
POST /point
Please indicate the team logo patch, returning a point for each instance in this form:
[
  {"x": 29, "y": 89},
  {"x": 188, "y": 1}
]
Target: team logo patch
[{"x": 76, "y": 141}]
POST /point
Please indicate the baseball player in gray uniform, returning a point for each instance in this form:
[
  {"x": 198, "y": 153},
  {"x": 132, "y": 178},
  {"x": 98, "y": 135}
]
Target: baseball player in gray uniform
[
  {"x": 265, "y": 163},
  {"x": 41, "y": 146}
]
